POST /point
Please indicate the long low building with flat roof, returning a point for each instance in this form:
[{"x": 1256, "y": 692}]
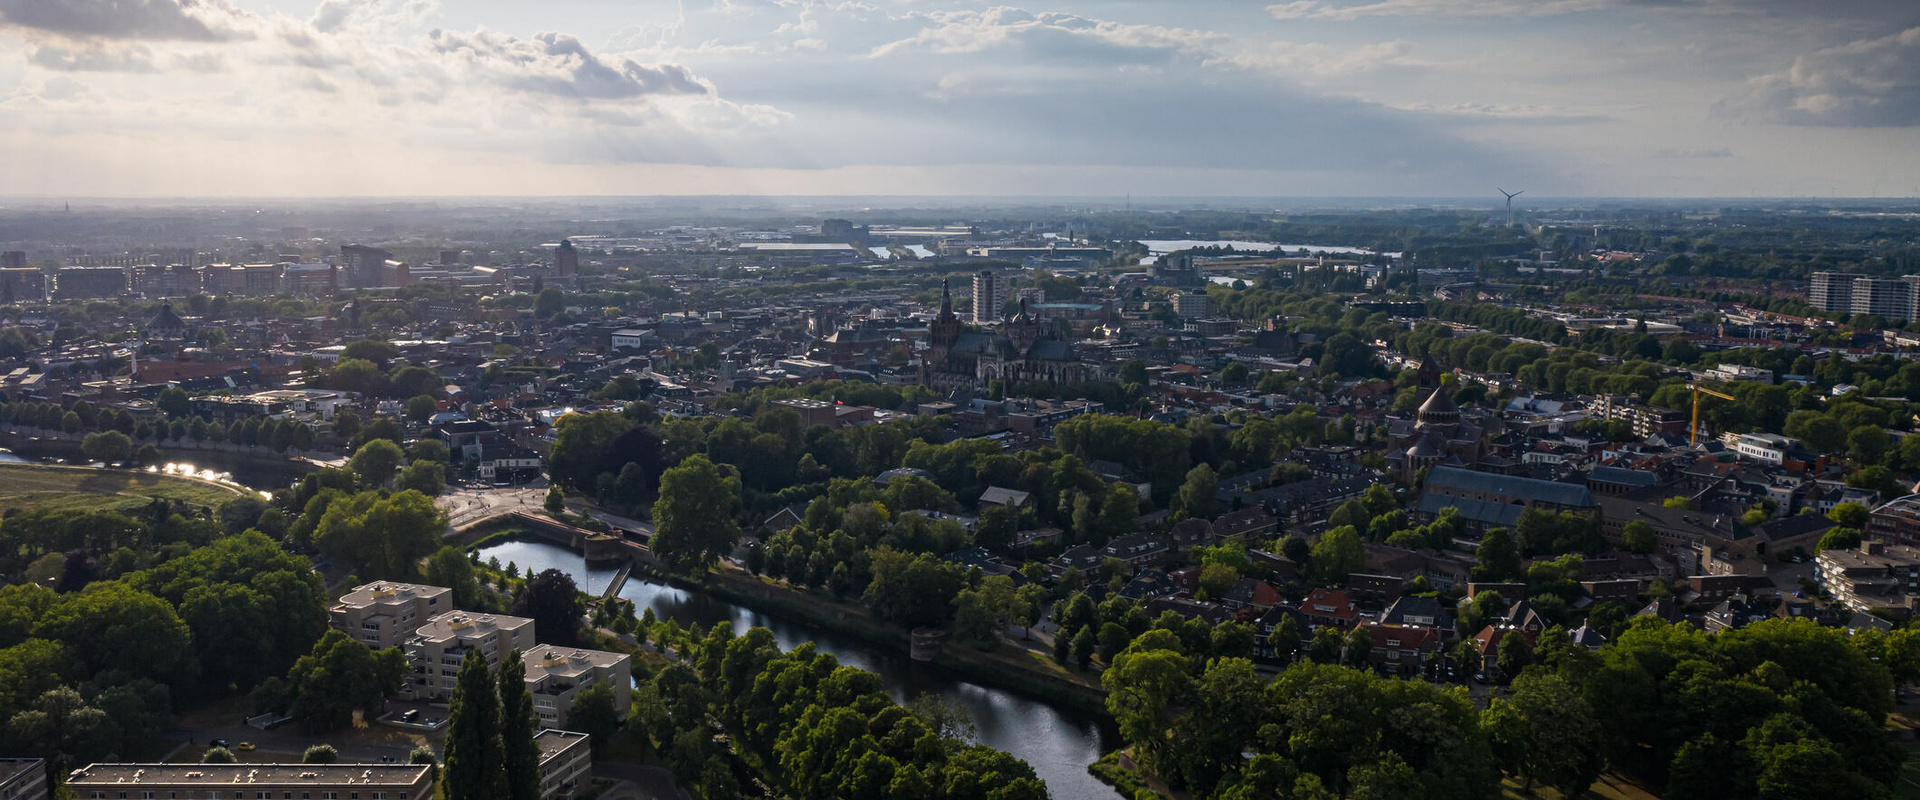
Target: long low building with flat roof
[{"x": 252, "y": 782}]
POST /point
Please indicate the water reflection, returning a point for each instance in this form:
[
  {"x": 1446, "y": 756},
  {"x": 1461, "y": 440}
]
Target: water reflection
[{"x": 1059, "y": 742}]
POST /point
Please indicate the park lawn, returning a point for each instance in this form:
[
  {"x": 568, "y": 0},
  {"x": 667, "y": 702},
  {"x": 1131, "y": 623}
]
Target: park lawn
[
  {"x": 33, "y": 487},
  {"x": 1611, "y": 786}
]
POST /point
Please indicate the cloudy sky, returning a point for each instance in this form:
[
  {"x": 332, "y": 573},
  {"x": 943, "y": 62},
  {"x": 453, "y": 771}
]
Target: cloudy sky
[{"x": 1182, "y": 97}]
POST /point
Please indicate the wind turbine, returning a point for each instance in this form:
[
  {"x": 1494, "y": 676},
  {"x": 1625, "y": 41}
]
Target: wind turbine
[{"x": 1510, "y": 196}]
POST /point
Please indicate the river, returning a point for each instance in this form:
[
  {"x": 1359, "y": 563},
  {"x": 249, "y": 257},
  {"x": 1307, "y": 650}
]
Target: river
[{"x": 1058, "y": 741}]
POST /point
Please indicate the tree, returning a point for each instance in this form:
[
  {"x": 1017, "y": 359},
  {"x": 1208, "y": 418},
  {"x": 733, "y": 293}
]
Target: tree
[
  {"x": 1359, "y": 647},
  {"x": 1083, "y": 645},
  {"x": 552, "y": 601},
  {"x": 218, "y": 755},
  {"x": 451, "y": 568},
  {"x": 1849, "y": 514},
  {"x": 320, "y": 754},
  {"x": 1637, "y": 537},
  {"x": 1197, "y": 498},
  {"x": 342, "y": 676},
  {"x": 1141, "y": 688},
  {"x": 1545, "y": 732},
  {"x": 694, "y": 517},
  {"x": 556, "y": 501},
  {"x": 997, "y": 526},
  {"x": 980, "y": 613},
  {"x": 426, "y": 477},
  {"x": 421, "y": 408},
  {"x": 549, "y": 302},
  {"x": 1499, "y": 559},
  {"x": 517, "y": 724},
  {"x": 1820, "y": 432},
  {"x": 173, "y": 402},
  {"x": 376, "y": 461},
  {"x": 346, "y": 425},
  {"x": 1338, "y": 554},
  {"x": 1867, "y": 443},
  {"x": 107, "y": 447},
  {"x": 594, "y": 713},
  {"x": 1515, "y": 654},
  {"x": 475, "y": 751},
  {"x": 381, "y": 537},
  {"x": 911, "y": 591}
]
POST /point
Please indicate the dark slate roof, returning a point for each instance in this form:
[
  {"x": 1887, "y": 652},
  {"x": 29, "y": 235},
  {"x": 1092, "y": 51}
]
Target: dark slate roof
[
  {"x": 1789, "y": 527},
  {"x": 1623, "y": 477},
  {"x": 166, "y": 319},
  {"x": 1486, "y": 512},
  {"x": 1566, "y": 494}
]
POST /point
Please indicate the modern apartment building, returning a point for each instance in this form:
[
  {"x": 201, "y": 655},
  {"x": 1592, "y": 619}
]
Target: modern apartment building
[
  {"x": 1192, "y": 305},
  {"x": 252, "y": 782},
  {"x": 566, "y": 763},
  {"x": 437, "y": 648},
  {"x": 363, "y": 265},
  {"x": 986, "y": 296},
  {"x": 1853, "y": 293},
  {"x": 555, "y": 675},
  {"x": 386, "y": 614},
  {"x": 23, "y": 779},
  {"x": 1832, "y": 291}
]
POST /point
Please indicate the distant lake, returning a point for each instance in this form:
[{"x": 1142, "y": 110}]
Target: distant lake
[{"x": 1160, "y": 247}]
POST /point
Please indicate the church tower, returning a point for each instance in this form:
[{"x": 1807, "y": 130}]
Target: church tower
[{"x": 945, "y": 329}]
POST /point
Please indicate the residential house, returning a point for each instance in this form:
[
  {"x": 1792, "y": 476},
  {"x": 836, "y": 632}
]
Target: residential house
[
  {"x": 555, "y": 676},
  {"x": 566, "y": 764},
  {"x": 385, "y": 614},
  {"x": 1401, "y": 649},
  {"x": 1137, "y": 549},
  {"x": 1329, "y": 607}
]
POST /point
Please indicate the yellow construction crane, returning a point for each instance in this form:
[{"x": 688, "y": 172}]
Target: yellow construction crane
[{"x": 1693, "y": 438}]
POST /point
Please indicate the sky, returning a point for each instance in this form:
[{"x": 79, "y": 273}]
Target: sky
[{"x": 1296, "y": 98}]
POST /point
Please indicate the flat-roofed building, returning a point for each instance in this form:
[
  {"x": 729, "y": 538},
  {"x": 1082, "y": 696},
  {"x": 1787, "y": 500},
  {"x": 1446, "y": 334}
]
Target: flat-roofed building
[
  {"x": 252, "y": 782},
  {"x": 566, "y": 763},
  {"x": 86, "y": 283},
  {"x": 555, "y": 676},
  {"x": 23, "y": 779},
  {"x": 437, "y": 648},
  {"x": 22, "y": 284},
  {"x": 1878, "y": 576},
  {"x": 386, "y": 614}
]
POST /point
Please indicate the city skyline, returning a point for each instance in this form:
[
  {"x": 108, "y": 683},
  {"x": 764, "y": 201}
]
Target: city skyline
[{"x": 1387, "y": 98}]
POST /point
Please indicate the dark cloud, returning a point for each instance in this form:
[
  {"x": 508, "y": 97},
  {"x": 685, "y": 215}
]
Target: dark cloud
[
  {"x": 160, "y": 20},
  {"x": 559, "y": 65},
  {"x": 1867, "y": 83}
]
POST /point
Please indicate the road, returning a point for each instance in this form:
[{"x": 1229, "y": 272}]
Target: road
[{"x": 469, "y": 503}]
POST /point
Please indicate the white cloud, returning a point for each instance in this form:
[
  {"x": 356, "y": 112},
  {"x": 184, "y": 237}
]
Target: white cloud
[
  {"x": 1324, "y": 60},
  {"x": 1047, "y": 35},
  {"x": 1867, "y": 83},
  {"x": 557, "y": 64}
]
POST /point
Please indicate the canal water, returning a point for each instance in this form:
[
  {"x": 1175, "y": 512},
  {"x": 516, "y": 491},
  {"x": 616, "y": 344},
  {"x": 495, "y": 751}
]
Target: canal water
[{"x": 1058, "y": 741}]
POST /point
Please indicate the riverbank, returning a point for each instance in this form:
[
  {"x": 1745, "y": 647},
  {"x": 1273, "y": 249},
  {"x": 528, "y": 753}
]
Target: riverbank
[{"x": 1000, "y": 670}]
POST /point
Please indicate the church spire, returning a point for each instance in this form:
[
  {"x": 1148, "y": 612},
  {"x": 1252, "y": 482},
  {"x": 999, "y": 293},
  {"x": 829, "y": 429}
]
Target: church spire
[{"x": 946, "y": 300}]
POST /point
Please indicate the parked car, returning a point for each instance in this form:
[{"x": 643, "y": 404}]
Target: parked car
[
  {"x": 245, "y": 747},
  {"x": 218, "y": 743}
]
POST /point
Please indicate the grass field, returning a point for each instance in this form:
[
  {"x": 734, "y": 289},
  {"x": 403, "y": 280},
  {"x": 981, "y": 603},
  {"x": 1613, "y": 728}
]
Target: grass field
[{"x": 48, "y": 488}]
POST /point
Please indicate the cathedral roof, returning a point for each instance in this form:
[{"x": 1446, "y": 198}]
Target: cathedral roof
[{"x": 1438, "y": 403}]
